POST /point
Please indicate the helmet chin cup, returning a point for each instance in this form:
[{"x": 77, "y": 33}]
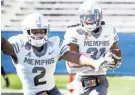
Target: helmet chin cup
[
  {"x": 37, "y": 43},
  {"x": 90, "y": 27}
]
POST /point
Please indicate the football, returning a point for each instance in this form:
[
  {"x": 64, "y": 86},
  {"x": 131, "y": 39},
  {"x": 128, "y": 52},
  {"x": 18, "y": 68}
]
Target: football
[{"x": 116, "y": 52}]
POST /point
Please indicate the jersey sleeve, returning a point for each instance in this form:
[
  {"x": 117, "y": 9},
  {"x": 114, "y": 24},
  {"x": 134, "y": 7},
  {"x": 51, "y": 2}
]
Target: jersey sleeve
[
  {"x": 16, "y": 43},
  {"x": 63, "y": 47},
  {"x": 71, "y": 36},
  {"x": 115, "y": 35}
]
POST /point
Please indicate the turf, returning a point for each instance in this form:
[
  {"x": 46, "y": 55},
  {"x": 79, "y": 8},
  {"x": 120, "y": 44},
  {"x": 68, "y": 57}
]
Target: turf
[
  {"x": 118, "y": 85},
  {"x": 121, "y": 86}
]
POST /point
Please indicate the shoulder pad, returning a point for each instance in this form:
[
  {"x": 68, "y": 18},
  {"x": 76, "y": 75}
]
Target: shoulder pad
[
  {"x": 109, "y": 29},
  {"x": 18, "y": 38},
  {"x": 53, "y": 40}
]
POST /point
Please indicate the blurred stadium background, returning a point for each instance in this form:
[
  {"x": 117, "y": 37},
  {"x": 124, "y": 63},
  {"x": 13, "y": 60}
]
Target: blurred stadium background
[{"x": 61, "y": 13}]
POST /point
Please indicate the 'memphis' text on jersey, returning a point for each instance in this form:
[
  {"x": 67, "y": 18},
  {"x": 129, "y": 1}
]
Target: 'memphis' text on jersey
[
  {"x": 38, "y": 62},
  {"x": 96, "y": 43}
]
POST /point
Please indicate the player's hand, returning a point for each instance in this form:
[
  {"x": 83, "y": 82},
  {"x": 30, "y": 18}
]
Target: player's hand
[
  {"x": 109, "y": 62},
  {"x": 108, "y": 65}
]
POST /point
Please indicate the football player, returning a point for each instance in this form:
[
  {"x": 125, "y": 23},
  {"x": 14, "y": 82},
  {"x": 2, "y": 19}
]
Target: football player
[
  {"x": 99, "y": 41},
  {"x": 35, "y": 55}
]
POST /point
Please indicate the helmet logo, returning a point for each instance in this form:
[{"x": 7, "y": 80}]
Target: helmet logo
[
  {"x": 96, "y": 11},
  {"x": 38, "y": 22}
]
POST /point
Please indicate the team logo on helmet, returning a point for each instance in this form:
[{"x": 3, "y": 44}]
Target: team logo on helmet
[
  {"x": 96, "y": 11},
  {"x": 38, "y": 22}
]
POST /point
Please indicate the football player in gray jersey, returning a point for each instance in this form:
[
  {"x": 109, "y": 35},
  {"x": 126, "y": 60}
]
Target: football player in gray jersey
[
  {"x": 35, "y": 55},
  {"x": 97, "y": 41}
]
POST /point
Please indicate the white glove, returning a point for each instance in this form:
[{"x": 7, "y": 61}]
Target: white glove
[{"x": 109, "y": 62}]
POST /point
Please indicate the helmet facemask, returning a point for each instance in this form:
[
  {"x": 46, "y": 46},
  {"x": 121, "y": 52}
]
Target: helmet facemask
[
  {"x": 91, "y": 21},
  {"x": 90, "y": 15},
  {"x": 37, "y": 39}
]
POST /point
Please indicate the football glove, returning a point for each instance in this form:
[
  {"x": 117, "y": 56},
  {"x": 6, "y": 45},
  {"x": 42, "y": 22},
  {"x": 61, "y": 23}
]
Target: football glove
[{"x": 109, "y": 62}]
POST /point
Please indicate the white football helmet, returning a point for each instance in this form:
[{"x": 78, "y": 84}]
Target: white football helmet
[
  {"x": 33, "y": 22},
  {"x": 90, "y": 15}
]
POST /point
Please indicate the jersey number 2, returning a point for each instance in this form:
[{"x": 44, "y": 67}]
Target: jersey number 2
[{"x": 41, "y": 75}]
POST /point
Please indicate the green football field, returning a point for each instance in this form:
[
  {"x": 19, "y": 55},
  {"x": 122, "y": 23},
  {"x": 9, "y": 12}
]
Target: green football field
[{"x": 118, "y": 85}]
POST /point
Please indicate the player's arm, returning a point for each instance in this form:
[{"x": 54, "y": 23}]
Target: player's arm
[
  {"x": 7, "y": 49},
  {"x": 79, "y": 59},
  {"x": 74, "y": 68},
  {"x": 72, "y": 41},
  {"x": 75, "y": 48}
]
